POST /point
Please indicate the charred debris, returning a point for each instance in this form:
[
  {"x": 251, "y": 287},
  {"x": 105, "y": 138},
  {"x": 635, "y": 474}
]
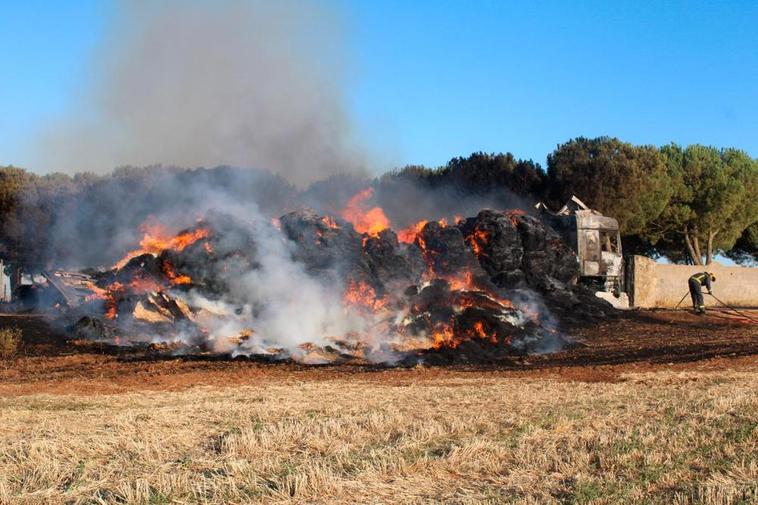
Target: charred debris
[{"x": 483, "y": 288}]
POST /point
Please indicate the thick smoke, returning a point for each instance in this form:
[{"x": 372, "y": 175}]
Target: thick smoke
[
  {"x": 406, "y": 201},
  {"x": 93, "y": 221},
  {"x": 255, "y": 84},
  {"x": 95, "y": 224},
  {"x": 283, "y": 306},
  {"x": 193, "y": 83},
  {"x": 260, "y": 290}
]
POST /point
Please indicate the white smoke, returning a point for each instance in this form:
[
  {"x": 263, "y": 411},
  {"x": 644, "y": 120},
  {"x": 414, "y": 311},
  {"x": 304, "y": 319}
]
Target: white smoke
[
  {"x": 275, "y": 303},
  {"x": 533, "y": 309},
  {"x": 200, "y": 83},
  {"x": 283, "y": 305}
]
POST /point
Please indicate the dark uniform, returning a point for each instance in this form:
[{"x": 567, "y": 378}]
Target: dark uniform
[{"x": 696, "y": 291}]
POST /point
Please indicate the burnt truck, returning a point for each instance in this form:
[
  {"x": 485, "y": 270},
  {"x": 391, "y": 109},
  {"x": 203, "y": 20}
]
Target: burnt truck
[{"x": 597, "y": 243}]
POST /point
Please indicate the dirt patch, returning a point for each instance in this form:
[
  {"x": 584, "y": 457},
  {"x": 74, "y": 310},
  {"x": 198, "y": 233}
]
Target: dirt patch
[{"x": 635, "y": 342}]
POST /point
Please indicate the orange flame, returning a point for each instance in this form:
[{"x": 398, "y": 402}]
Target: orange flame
[
  {"x": 116, "y": 290},
  {"x": 461, "y": 281},
  {"x": 371, "y": 220},
  {"x": 156, "y": 239},
  {"x": 97, "y": 292},
  {"x": 175, "y": 278},
  {"x": 408, "y": 235},
  {"x": 330, "y": 222},
  {"x": 111, "y": 307},
  {"x": 513, "y": 213},
  {"x": 480, "y": 332},
  {"x": 360, "y": 293},
  {"x": 443, "y": 336},
  {"x": 476, "y": 240},
  {"x": 107, "y": 296}
]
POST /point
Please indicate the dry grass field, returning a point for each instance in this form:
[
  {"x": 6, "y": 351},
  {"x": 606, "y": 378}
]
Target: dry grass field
[
  {"x": 654, "y": 407},
  {"x": 418, "y": 436}
]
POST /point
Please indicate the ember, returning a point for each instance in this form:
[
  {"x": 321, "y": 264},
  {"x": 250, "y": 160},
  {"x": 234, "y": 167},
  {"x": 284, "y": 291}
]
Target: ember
[
  {"x": 175, "y": 278},
  {"x": 360, "y": 293}
]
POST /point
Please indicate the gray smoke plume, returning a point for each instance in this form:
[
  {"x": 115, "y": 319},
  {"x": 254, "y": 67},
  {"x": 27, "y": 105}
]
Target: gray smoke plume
[{"x": 194, "y": 83}]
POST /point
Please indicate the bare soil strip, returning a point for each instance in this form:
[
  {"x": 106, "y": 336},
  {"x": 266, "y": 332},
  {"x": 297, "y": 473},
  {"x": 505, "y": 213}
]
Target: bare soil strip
[{"x": 635, "y": 342}]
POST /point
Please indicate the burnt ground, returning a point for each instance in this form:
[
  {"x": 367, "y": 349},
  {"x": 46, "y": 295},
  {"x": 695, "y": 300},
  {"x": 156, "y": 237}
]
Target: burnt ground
[{"x": 636, "y": 341}]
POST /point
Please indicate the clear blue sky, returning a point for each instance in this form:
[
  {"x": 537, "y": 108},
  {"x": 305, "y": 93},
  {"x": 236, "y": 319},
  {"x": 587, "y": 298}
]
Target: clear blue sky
[{"x": 437, "y": 79}]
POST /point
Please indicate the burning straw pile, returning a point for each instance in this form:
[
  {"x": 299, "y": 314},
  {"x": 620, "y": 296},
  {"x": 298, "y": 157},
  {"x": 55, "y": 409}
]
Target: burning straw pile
[{"x": 321, "y": 289}]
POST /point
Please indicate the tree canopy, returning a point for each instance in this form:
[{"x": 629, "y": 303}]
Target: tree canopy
[
  {"x": 745, "y": 250},
  {"x": 712, "y": 204},
  {"x": 627, "y": 182},
  {"x": 480, "y": 173}
]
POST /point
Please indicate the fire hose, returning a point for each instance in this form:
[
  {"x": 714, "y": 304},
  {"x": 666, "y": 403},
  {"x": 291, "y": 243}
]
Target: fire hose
[
  {"x": 680, "y": 301},
  {"x": 742, "y": 314}
]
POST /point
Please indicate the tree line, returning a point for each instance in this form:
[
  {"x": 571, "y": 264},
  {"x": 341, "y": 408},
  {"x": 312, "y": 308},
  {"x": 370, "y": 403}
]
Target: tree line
[{"x": 684, "y": 203}]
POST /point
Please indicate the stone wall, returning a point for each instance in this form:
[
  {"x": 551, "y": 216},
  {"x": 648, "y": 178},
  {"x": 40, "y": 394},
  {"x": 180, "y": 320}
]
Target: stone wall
[{"x": 659, "y": 285}]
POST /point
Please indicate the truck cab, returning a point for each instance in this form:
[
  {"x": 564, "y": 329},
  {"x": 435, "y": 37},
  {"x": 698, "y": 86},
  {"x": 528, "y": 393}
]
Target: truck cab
[{"x": 596, "y": 240}]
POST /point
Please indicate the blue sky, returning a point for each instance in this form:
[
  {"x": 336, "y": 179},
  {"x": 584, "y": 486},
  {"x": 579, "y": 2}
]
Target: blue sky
[{"x": 435, "y": 79}]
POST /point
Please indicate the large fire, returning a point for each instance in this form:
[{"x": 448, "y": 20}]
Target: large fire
[
  {"x": 371, "y": 220},
  {"x": 157, "y": 239},
  {"x": 445, "y": 299},
  {"x": 365, "y": 219}
]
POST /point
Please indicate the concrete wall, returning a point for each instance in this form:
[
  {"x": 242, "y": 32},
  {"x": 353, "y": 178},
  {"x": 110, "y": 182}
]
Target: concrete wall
[
  {"x": 658, "y": 285},
  {"x": 5, "y": 284}
]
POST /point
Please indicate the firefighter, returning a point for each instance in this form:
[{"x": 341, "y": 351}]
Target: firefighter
[{"x": 696, "y": 292}]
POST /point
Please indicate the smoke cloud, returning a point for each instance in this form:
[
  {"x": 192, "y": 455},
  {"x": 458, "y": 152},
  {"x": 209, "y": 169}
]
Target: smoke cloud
[
  {"x": 275, "y": 297},
  {"x": 193, "y": 83},
  {"x": 258, "y": 84}
]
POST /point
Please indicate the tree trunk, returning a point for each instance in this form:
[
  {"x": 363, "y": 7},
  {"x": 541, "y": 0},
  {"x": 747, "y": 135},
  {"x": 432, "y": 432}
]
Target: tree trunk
[
  {"x": 696, "y": 245},
  {"x": 696, "y": 259},
  {"x": 709, "y": 252}
]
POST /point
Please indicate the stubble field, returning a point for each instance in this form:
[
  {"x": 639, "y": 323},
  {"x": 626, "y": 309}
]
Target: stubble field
[{"x": 110, "y": 429}]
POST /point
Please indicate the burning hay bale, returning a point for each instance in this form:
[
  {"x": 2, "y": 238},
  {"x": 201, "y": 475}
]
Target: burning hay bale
[
  {"x": 161, "y": 308},
  {"x": 455, "y": 317},
  {"x": 448, "y": 256},
  {"x": 323, "y": 244},
  {"x": 497, "y": 244},
  {"x": 518, "y": 250},
  {"x": 320, "y": 289},
  {"x": 397, "y": 267}
]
